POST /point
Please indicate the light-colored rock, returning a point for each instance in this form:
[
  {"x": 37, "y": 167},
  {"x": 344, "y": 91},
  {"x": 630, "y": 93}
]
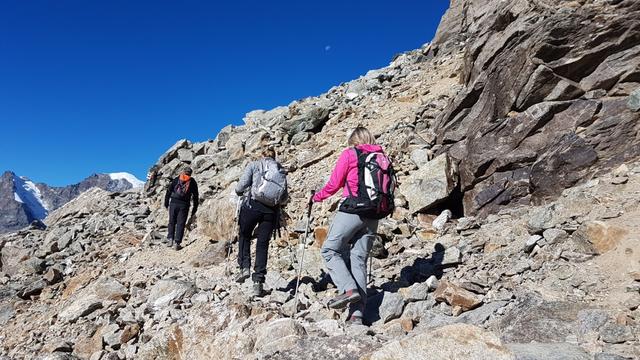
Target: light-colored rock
[
  {"x": 391, "y": 306},
  {"x": 456, "y": 341},
  {"x": 165, "y": 292},
  {"x": 430, "y": 184},
  {"x": 557, "y": 351},
  {"x": 634, "y": 100},
  {"x": 531, "y": 242},
  {"x": 415, "y": 292},
  {"x": 82, "y": 306},
  {"x": 555, "y": 236},
  {"x": 278, "y": 336}
]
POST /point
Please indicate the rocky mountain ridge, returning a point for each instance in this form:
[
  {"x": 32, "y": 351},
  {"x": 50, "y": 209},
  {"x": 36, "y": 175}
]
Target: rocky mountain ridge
[
  {"x": 22, "y": 201},
  {"x": 495, "y": 120}
]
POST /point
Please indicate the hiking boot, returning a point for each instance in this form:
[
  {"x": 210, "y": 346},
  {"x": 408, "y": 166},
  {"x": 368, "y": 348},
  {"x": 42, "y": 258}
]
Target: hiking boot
[
  {"x": 354, "y": 320},
  {"x": 341, "y": 301},
  {"x": 178, "y": 247},
  {"x": 258, "y": 289},
  {"x": 169, "y": 242},
  {"x": 243, "y": 275}
]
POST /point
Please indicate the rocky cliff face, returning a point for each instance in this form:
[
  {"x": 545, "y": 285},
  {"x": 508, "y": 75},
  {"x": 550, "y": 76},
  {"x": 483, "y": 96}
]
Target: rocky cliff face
[
  {"x": 22, "y": 201},
  {"x": 544, "y": 105},
  {"x": 521, "y": 118}
]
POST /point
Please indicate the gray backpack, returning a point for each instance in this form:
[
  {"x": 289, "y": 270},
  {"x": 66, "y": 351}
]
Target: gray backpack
[{"x": 271, "y": 187}]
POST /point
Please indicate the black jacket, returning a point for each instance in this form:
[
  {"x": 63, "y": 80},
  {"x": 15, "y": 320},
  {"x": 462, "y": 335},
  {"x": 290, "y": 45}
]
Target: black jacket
[{"x": 192, "y": 195}]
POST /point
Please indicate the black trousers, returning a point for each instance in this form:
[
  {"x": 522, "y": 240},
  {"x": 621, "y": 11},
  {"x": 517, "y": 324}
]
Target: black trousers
[
  {"x": 249, "y": 218},
  {"x": 178, "y": 214}
]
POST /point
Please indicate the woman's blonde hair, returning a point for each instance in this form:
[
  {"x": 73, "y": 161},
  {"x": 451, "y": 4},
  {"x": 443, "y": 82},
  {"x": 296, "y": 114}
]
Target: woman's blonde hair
[
  {"x": 361, "y": 135},
  {"x": 269, "y": 151}
]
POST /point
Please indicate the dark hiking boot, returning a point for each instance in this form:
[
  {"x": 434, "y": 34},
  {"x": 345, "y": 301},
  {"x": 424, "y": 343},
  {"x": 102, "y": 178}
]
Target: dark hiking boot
[
  {"x": 341, "y": 301},
  {"x": 258, "y": 289},
  {"x": 178, "y": 247},
  {"x": 354, "y": 320},
  {"x": 243, "y": 275}
]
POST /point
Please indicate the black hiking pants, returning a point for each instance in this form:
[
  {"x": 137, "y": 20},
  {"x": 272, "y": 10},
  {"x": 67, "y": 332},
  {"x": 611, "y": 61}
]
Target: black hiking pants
[
  {"x": 249, "y": 218},
  {"x": 178, "y": 214}
]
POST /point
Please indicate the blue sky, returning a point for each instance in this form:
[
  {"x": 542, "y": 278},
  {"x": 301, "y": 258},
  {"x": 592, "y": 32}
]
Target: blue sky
[{"x": 107, "y": 86}]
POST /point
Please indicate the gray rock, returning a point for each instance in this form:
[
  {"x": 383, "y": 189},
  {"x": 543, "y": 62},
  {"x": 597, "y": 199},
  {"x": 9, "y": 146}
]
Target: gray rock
[
  {"x": 430, "y": 184},
  {"x": 444, "y": 344},
  {"x": 542, "y": 218},
  {"x": 466, "y": 223},
  {"x": 6, "y": 313},
  {"x": 634, "y": 100},
  {"x": 480, "y": 315},
  {"x": 421, "y": 157},
  {"x": 553, "y": 351},
  {"x": 415, "y": 292},
  {"x": 300, "y": 138},
  {"x": 432, "y": 282},
  {"x": 109, "y": 289},
  {"x": 309, "y": 119},
  {"x": 534, "y": 319},
  {"x": 65, "y": 240},
  {"x": 81, "y": 307},
  {"x": 165, "y": 292},
  {"x": 111, "y": 335},
  {"x": 554, "y": 236},
  {"x": 278, "y": 336},
  {"x": 185, "y": 155},
  {"x": 53, "y": 276},
  {"x": 450, "y": 256},
  {"x": 415, "y": 310},
  {"x": 592, "y": 320},
  {"x": 391, "y": 306},
  {"x": 33, "y": 289},
  {"x": 616, "y": 334},
  {"x": 531, "y": 242},
  {"x": 280, "y": 297},
  {"x": 608, "y": 356}
]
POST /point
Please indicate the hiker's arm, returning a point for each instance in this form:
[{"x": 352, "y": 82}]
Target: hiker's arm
[
  {"x": 196, "y": 197},
  {"x": 167, "y": 196},
  {"x": 337, "y": 179},
  {"x": 245, "y": 180}
]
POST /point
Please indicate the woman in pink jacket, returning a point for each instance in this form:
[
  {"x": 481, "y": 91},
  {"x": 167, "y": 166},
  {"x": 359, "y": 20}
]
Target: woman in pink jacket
[{"x": 350, "y": 238}]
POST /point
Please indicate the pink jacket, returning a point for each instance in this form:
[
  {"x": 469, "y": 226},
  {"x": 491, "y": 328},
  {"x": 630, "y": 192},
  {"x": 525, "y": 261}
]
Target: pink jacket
[{"x": 346, "y": 170}]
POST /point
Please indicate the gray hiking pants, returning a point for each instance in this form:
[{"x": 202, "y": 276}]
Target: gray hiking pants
[{"x": 345, "y": 254}]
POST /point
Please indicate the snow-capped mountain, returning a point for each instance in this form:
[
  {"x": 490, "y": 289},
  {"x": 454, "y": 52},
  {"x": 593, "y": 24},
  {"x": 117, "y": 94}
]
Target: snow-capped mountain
[{"x": 23, "y": 201}]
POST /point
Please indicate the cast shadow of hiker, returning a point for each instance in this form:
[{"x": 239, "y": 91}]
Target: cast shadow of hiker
[
  {"x": 291, "y": 286},
  {"x": 419, "y": 271}
]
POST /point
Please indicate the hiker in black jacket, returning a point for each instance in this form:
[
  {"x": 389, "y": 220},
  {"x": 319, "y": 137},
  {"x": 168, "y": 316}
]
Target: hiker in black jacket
[{"x": 180, "y": 193}]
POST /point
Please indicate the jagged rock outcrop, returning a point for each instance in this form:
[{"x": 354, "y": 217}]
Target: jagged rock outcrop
[{"x": 544, "y": 101}]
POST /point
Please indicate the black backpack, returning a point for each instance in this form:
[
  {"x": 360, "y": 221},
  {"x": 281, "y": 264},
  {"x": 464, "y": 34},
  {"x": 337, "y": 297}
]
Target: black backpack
[
  {"x": 376, "y": 187},
  {"x": 181, "y": 190}
]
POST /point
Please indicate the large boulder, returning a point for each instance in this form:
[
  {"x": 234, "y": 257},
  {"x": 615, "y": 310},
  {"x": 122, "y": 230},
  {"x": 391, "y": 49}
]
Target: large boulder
[
  {"x": 458, "y": 341},
  {"x": 430, "y": 184}
]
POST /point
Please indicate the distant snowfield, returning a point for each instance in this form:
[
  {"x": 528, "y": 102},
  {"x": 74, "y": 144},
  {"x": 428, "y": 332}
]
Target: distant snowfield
[
  {"x": 26, "y": 192},
  {"x": 137, "y": 183}
]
